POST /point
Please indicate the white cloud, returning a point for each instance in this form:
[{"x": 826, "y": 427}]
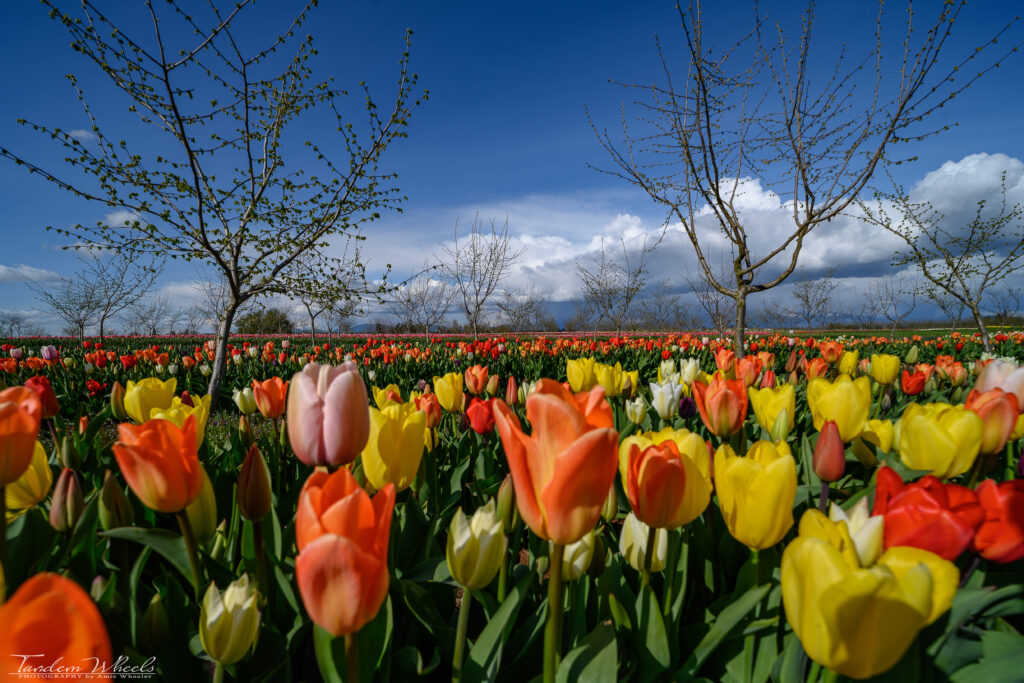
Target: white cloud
[
  {"x": 82, "y": 135},
  {"x": 23, "y": 273}
]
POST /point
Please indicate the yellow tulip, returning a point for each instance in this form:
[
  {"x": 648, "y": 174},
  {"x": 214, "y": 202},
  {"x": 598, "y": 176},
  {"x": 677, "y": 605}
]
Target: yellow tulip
[
  {"x": 1018, "y": 428},
  {"x": 756, "y": 492},
  {"x": 848, "y": 363},
  {"x": 581, "y": 374},
  {"x": 845, "y": 401},
  {"x": 395, "y": 447},
  {"x": 230, "y": 621},
  {"x": 380, "y": 396},
  {"x": 177, "y": 412},
  {"x": 32, "y": 486},
  {"x": 859, "y": 621},
  {"x": 865, "y": 530},
  {"x": 768, "y": 403},
  {"x": 202, "y": 513},
  {"x": 630, "y": 382},
  {"x": 667, "y": 370},
  {"x": 941, "y": 438},
  {"x": 876, "y": 433},
  {"x": 884, "y": 368},
  {"x": 476, "y": 546},
  {"x": 693, "y": 451},
  {"x": 609, "y": 377},
  {"x": 449, "y": 391},
  {"x": 140, "y": 399}
]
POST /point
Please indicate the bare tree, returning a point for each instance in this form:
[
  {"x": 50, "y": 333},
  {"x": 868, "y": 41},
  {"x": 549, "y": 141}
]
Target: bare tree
[
  {"x": 751, "y": 111},
  {"x": 478, "y": 265},
  {"x": 813, "y": 298},
  {"x": 610, "y": 283},
  {"x": 423, "y": 301},
  {"x": 661, "y": 309},
  {"x": 318, "y": 296},
  {"x": 952, "y": 307},
  {"x": 522, "y": 310},
  {"x": 15, "y": 324},
  {"x": 153, "y": 315},
  {"x": 894, "y": 297},
  {"x": 1005, "y": 303},
  {"x": 962, "y": 261},
  {"x": 124, "y": 278},
  {"x": 719, "y": 307},
  {"x": 771, "y": 315},
  {"x": 221, "y": 119},
  {"x": 77, "y": 300}
]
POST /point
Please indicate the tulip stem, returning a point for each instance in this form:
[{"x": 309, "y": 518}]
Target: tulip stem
[
  {"x": 3, "y": 534},
  {"x": 218, "y": 673},
  {"x": 553, "y": 630},
  {"x": 351, "y": 658},
  {"x": 823, "y": 497},
  {"x": 460, "y": 634},
  {"x": 652, "y": 535},
  {"x": 503, "y": 576},
  {"x": 261, "y": 555},
  {"x": 190, "y": 546}
]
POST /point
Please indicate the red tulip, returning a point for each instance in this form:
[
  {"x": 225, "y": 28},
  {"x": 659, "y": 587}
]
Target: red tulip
[
  {"x": 927, "y": 514},
  {"x": 912, "y": 384},
  {"x": 1001, "y": 535},
  {"x": 481, "y": 416},
  {"x": 47, "y": 397},
  {"x": 829, "y": 453}
]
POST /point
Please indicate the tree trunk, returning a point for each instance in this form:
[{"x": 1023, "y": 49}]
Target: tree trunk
[
  {"x": 312, "y": 329},
  {"x": 102, "y": 323},
  {"x": 741, "y": 324},
  {"x": 985, "y": 339},
  {"x": 220, "y": 359}
]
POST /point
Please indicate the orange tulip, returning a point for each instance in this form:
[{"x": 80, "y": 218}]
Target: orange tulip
[
  {"x": 725, "y": 359},
  {"x": 722, "y": 404},
  {"x": 476, "y": 379},
  {"x": 666, "y": 488},
  {"x": 160, "y": 462},
  {"x": 270, "y": 395},
  {"x": 50, "y": 620},
  {"x": 20, "y": 415},
  {"x": 998, "y": 410},
  {"x": 831, "y": 351},
  {"x": 748, "y": 369},
  {"x": 343, "y": 536},
  {"x": 563, "y": 470},
  {"x": 816, "y": 367}
]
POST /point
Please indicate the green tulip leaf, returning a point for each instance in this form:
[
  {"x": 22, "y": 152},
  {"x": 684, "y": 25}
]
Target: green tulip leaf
[{"x": 594, "y": 660}]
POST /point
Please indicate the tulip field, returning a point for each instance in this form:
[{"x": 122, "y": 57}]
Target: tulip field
[{"x": 564, "y": 508}]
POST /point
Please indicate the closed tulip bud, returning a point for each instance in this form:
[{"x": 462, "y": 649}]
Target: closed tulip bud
[
  {"x": 829, "y": 454},
  {"x": 689, "y": 369},
  {"x": 756, "y": 492},
  {"x": 245, "y": 433},
  {"x": 395, "y": 445},
  {"x": 98, "y": 588},
  {"x": 576, "y": 557},
  {"x": 117, "y": 402},
  {"x": 492, "y": 385},
  {"x": 911, "y": 356},
  {"x": 636, "y": 410},
  {"x": 254, "y": 494},
  {"x": 791, "y": 361},
  {"x": 245, "y": 401},
  {"x": 449, "y": 391},
  {"x": 48, "y": 353},
  {"x": 32, "y": 487},
  {"x": 202, "y": 513},
  {"x": 68, "y": 503},
  {"x": 83, "y": 424},
  {"x": 580, "y": 373},
  {"x": 998, "y": 411},
  {"x": 768, "y": 380},
  {"x": 506, "y": 502},
  {"x": 848, "y": 363},
  {"x": 769, "y": 404},
  {"x": 884, "y": 368},
  {"x": 155, "y": 628},
  {"x": 220, "y": 541},
  {"x": 230, "y": 621},
  {"x": 781, "y": 427},
  {"x": 610, "y": 509},
  {"x": 115, "y": 510},
  {"x": 512, "y": 392},
  {"x": 69, "y": 454},
  {"x": 633, "y": 544},
  {"x": 609, "y": 377},
  {"x": 476, "y": 546}
]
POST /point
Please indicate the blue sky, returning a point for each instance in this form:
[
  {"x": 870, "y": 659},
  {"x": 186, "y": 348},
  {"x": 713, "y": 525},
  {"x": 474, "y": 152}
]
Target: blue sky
[{"x": 503, "y": 133}]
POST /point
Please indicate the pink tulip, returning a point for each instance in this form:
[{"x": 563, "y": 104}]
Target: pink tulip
[
  {"x": 1000, "y": 374},
  {"x": 328, "y": 414},
  {"x": 16, "y": 353},
  {"x": 48, "y": 353}
]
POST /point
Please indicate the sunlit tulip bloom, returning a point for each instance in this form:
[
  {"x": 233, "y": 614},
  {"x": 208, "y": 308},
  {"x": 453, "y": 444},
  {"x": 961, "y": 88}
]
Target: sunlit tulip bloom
[
  {"x": 609, "y": 377},
  {"x": 448, "y": 390},
  {"x": 844, "y": 401},
  {"x": 580, "y": 372},
  {"x": 927, "y": 514},
  {"x": 48, "y": 352},
  {"x": 667, "y": 369},
  {"x": 480, "y": 415},
  {"x": 431, "y": 407},
  {"x": 884, "y": 368},
  {"x": 831, "y": 351},
  {"x": 876, "y": 434},
  {"x": 756, "y": 492},
  {"x": 32, "y": 487},
  {"x": 562, "y": 471},
  {"x": 630, "y": 383},
  {"x": 476, "y": 379},
  {"x": 328, "y": 414},
  {"x": 512, "y": 392},
  {"x": 1000, "y": 538},
  {"x": 54, "y": 619},
  {"x": 47, "y": 397},
  {"x": 389, "y": 394},
  {"x": 829, "y": 460},
  {"x": 665, "y": 399},
  {"x": 860, "y": 621},
  {"x": 395, "y": 447},
  {"x": 748, "y": 369},
  {"x": 768, "y": 380},
  {"x": 343, "y": 539},
  {"x": 939, "y": 438},
  {"x": 230, "y": 621},
  {"x": 689, "y": 369},
  {"x": 816, "y": 367},
  {"x": 245, "y": 400},
  {"x": 998, "y": 411},
  {"x": 958, "y": 376},
  {"x": 722, "y": 404},
  {"x": 725, "y": 360},
  {"x": 476, "y": 546},
  {"x": 577, "y": 556},
  {"x": 636, "y": 410},
  {"x": 768, "y": 403},
  {"x": 866, "y": 530},
  {"x": 912, "y": 384},
  {"x": 1000, "y": 374},
  {"x": 848, "y": 363},
  {"x": 270, "y": 396},
  {"x": 160, "y": 462},
  {"x": 180, "y": 410},
  {"x": 140, "y": 398},
  {"x": 666, "y": 487},
  {"x": 633, "y": 544},
  {"x": 20, "y": 416}
]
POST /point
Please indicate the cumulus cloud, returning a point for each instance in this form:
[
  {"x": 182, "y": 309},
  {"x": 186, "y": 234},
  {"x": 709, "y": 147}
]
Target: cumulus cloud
[
  {"x": 23, "y": 273},
  {"x": 82, "y": 135}
]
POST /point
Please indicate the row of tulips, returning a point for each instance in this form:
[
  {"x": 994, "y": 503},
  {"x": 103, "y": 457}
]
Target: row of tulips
[{"x": 781, "y": 516}]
